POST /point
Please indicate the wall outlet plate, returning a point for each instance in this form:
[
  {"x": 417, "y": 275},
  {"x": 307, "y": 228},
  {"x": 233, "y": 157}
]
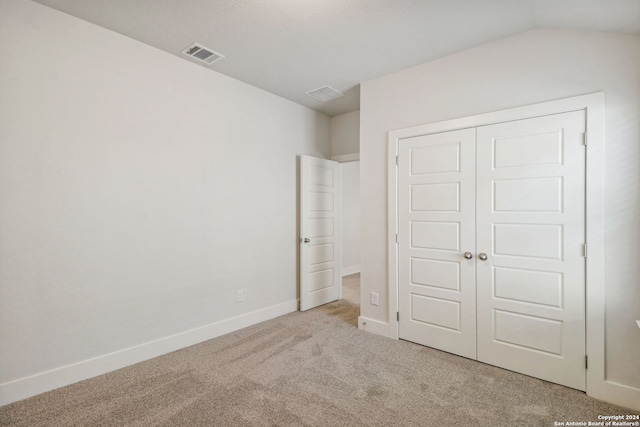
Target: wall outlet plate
[
  {"x": 240, "y": 296},
  {"x": 375, "y": 298}
]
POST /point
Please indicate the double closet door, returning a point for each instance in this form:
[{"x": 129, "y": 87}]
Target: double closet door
[{"x": 491, "y": 241}]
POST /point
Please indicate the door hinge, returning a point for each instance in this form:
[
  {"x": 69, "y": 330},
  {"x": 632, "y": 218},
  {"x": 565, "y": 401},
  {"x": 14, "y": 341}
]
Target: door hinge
[
  {"x": 396, "y": 160},
  {"x": 585, "y": 250},
  {"x": 586, "y": 362},
  {"x": 398, "y": 316},
  {"x": 396, "y": 237},
  {"x": 584, "y": 138}
]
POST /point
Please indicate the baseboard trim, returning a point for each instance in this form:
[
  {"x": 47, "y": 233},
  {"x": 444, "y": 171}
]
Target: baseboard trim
[
  {"x": 374, "y": 326},
  {"x": 618, "y": 394},
  {"x": 352, "y": 269},
  {"x": 23, "y": 388}
]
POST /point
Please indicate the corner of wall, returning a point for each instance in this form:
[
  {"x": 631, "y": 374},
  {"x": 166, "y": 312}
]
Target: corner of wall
[{"x": 345, "y": 134}]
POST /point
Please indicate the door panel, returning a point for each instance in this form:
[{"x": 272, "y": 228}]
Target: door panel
[
  {"x": 537, "y": 148},
  {"x": 436, "y": 202},
  {"x": 440, "y": 312},
  {"x": 530, "y": 223},
  {"x": 532, "y": 286},
  {"x": 542, "y": 334},
  {"x": 439, "y": 274},
  {"x": 320, "y": 225},
  {"x": 514, "y": 195},
  {"x": 527, "y": 240},
  {"x": 435, "y": 197},
  {"x": 444, "y": 236}
]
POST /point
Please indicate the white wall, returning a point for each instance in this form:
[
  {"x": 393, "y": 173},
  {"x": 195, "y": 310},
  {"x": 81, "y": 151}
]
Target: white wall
[
  {"x": 345, "y": 147},
  {"x": 535, "y": 66},
  {"x": 345, "y": 134},
  {"x": 138, "y": 192},
  {"x": 350, "y": 217}
]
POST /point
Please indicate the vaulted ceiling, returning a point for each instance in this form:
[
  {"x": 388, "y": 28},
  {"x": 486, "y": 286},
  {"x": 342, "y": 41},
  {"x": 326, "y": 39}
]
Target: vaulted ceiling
[{"x": 289, "y": 47}]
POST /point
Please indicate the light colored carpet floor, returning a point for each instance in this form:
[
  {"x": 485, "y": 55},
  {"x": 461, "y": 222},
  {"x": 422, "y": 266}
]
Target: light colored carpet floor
[{"x": 308, "y": 369}]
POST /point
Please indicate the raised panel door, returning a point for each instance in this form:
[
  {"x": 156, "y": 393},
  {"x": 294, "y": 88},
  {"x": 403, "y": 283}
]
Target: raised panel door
[
  {"x": 530, "y": 223},
  {"x": 320, "y": 232},
  {"x": 436, "y": 202}
]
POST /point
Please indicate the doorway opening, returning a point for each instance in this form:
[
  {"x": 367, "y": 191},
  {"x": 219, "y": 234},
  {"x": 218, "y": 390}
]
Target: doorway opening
[{"x": 350, "y": 225}]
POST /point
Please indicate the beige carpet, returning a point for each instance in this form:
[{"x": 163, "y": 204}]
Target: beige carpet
[{"x": 308, "y": 369}]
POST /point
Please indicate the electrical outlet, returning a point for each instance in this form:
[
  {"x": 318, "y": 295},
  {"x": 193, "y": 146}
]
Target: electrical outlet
[
  {"x": 240, "y": 296},
  {"x": 374, "y": 298}
]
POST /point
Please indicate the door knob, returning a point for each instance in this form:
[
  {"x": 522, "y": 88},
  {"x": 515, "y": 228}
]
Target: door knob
[
  {"x": 306, "y": 240},
  {"x": 482, "y": 256},
  {"x": 468, "y": 255}
]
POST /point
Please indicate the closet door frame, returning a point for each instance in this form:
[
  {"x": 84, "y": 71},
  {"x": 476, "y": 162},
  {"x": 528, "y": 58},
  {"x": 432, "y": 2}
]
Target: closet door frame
[{"x": 593, "y": 105}]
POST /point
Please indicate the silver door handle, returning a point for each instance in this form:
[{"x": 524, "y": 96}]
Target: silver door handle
[
  {"x": 482, "y": 256},
  {"x": 468, "y": 255},
  {"x": 306, "y": 240}
]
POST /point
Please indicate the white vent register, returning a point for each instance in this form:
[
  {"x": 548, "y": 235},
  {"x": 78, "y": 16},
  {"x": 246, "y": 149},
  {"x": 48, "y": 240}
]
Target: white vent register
[
  {"x": 324, "y": 94},
  {"x": 202, "y": 54}
]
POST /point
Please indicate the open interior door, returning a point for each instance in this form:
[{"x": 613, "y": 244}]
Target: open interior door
[{"x": 320, "y": 278}]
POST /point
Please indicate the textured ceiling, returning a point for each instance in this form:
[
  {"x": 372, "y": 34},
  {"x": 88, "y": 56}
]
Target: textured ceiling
[{"x": 289, "y": 47}]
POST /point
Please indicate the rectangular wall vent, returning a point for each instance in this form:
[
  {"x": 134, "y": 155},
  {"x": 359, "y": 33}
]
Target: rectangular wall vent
[
  {"x": 202, "y": 54},
  {"x": 324, "y": 94}
]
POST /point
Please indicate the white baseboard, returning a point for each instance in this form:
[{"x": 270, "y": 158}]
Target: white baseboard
[
  {"x": 618, "y": 394},
  {"x": 22, "y": 388},
  {"x": 352, "y": 269},
  {"x": 374, "y": 326}
]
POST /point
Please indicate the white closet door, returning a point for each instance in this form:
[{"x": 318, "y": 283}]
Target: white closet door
[
  {"x": 436, "y": 202},
  {"x": 530, "y": 224}
]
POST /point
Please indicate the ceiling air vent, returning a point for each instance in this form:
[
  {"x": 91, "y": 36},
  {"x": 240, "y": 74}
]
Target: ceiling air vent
[
  {"x": 325, "y": 94},
  {"x": 202, "y": 54}
]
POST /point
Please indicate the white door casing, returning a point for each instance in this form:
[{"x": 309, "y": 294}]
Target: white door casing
[
  {"x": 527, "y": 263},
  {"x": 320, "y": 279},
  {"x": 436, "y": 223}
]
